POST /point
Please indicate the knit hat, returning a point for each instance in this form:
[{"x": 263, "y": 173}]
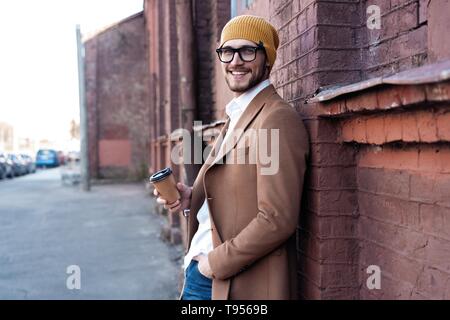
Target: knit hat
[{"x": 254, "y": 29}]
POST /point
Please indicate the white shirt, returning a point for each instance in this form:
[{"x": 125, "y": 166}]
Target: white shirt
[{"x": 202, "y": 240}]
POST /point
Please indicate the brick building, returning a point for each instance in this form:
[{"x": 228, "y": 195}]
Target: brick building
[
  {"x": 375, "y": 102},
  {"x": 117, "y": 100}
]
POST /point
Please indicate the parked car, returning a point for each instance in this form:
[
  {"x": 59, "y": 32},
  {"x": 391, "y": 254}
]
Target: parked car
[
  {"x": 29, "y": 162},
  {"x": 47, "y": 158},
  {"x": 61, "y": 158},
  {"x": 18, "y": 165},
  {"x": 6, "y": 165},
  {"x": 3, "y": 169},
  {"x": 73, "y": 156}
]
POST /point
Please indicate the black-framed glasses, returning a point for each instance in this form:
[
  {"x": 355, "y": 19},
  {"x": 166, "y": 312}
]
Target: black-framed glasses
[{"x": 246, "y": 53}]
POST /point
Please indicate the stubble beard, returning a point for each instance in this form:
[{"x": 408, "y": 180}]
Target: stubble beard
[{"x": 253, "y": 81}]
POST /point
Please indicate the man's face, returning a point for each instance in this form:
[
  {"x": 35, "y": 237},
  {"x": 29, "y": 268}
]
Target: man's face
[{"x": 240, "y": 75}]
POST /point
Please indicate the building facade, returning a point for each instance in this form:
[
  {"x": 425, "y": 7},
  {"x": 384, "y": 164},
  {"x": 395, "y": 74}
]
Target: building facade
[
  {"x": 117, "y": 100},
  {"x": 370, "y": 80}
]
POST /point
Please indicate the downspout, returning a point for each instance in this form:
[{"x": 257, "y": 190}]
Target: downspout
[{"x": 186, "y": 60}]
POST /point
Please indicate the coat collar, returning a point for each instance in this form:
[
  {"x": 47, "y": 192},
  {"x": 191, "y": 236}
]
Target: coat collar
[{"x": 246, "y": 118}]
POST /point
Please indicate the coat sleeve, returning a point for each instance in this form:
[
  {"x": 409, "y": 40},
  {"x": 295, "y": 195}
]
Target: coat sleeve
[{"x": 279, "y": 197}]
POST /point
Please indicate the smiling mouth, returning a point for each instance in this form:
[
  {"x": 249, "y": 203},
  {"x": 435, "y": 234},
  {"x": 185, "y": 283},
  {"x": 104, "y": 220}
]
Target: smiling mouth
[{"x": 238, "y": 74}]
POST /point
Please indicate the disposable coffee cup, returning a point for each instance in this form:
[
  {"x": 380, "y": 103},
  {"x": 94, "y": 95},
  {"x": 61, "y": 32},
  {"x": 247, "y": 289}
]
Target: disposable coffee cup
[{"x": 165, "y": 184}]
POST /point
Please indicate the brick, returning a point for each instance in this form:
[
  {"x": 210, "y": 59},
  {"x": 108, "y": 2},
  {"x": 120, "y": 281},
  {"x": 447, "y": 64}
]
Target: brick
[
  {"x": 403, "y": 268},
  {"x": 389, "y": 209},
  {"x": 328, "y": 251},
  {"x": 397, "y": 238},
  {"x": 411, "y": 95},
  {"x": 443, "y": 159},
  {"x": 347, "y": 130},
  {"x": 431, "y": 282},
  {"x": 336, "y": 276},
  {"x": 329, "y": 226},
  {"x": 375, "y": 130},
  {"x": 426, "y": 123},
  {"x": 394, "y": 183},
  {"x": 338, "y": 13},
  {"x": 367, "y": 179},
  {"x": 447, "y": 290},
  {"x": 333, "y": 178},
  {"x": 410, "y": 132},
  {"x": 400, "y": 20},
  {"x": 308, "y": 245},
  {"x": 359, "y": 131},
  {"x": 391, "y": 289},
  {"x": 389, "y": 158},
  {"x": 332, "y": 154},
  {"x": 322, "y": 130},
  {"x": 308, "y": 289},
  {"x": 336, "y": 107},
  {"x": 438, "y": 253},
  {"x": 388, "y": 98},
  {"x": 431, "y": 188},
  {"x": 410, "y": 43},
  {"x": 310, "y": 267},
  {"x": 443, "y": 125},
  {"x": 435, "y": 220},
  {"x": 332, "y": 202},
  {"x": 384, "y": 5},
  {"x": 340, "y": 293},
  {"x": 434, "y": 159},
  {"x": 438, "y": 92},
  {"x": 339, "y": 251},
  {"x": 335, "y": 36},
  {"x": 393, "y": 127},
  {"x": 362, "y": 101}
]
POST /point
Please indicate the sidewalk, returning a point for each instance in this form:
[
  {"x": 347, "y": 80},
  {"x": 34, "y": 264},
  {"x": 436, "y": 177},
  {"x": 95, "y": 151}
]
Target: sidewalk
[{"x": 111, "y": 233}]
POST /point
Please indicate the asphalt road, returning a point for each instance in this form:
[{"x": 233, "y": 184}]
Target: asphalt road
[{"x": 110, "y": 233}]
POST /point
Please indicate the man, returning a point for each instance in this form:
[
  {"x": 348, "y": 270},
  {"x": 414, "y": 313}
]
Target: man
[{"x": 242, "y": 220}]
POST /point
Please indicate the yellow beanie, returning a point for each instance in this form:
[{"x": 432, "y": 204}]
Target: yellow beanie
[{"x": 254, "y": 29}]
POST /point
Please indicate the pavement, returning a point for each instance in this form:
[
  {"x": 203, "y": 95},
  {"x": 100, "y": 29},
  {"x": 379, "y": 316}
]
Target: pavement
[{"x": 112, "y": 234}]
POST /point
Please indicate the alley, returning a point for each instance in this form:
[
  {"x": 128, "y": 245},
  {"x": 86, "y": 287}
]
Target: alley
[{"x": 111, "y": 233}]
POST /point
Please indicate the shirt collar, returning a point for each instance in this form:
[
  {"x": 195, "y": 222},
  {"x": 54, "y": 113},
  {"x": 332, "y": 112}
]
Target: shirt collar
[{"x": 241, "y": 103}]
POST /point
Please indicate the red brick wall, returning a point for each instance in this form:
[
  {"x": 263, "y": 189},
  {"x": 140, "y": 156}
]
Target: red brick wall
[
  {"x": 400, "y": 43},
  {"x": 117, "y": 100},
  {"x": 402, "y": 155}
]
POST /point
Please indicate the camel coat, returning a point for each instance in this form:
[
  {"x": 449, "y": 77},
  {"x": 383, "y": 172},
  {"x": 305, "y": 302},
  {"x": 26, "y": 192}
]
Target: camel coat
[{"x": 253, "y": 215}]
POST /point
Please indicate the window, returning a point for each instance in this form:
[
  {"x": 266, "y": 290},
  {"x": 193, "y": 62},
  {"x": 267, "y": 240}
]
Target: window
[
  {"x": 248, "y": 3},
  {"x": 237, "y": 6}
]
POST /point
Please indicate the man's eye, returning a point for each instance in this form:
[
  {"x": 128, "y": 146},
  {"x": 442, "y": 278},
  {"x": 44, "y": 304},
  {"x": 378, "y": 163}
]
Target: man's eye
[
  {"x": 247, "y": 51},
  {"x": 227, "y": 52}
]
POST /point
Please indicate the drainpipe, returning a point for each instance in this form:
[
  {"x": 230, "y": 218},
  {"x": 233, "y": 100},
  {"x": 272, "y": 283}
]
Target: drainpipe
[
  {"x": 84, "y": 151},
  {"x": 186, "y": 60}
]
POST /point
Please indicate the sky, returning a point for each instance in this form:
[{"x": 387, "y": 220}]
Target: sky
[{"x": 38, "y": 60}]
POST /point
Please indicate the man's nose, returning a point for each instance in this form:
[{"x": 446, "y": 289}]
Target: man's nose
[{"x": 236, "y": 60}]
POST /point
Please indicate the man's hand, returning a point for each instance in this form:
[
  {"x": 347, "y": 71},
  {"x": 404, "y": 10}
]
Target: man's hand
[
  {"x": 179, "y": 205},
  {"x": 203, "y": 266}
]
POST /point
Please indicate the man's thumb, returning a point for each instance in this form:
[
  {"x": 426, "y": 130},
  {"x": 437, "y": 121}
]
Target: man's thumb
[{"x": 181, "y": 187}]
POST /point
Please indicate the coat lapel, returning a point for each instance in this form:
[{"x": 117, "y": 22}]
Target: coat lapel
[{"x": 246, "y": 118}]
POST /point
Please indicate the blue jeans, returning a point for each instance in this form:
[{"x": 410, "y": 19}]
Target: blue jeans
[{"x": 196, "y": 286}]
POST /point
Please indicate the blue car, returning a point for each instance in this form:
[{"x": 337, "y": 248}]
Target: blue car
[{"x": 46, "y": 158}]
